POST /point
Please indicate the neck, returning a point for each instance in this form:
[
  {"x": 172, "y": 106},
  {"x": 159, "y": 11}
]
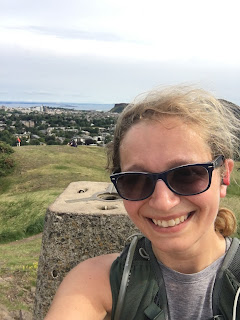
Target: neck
[{"x": 194, "y": 259}]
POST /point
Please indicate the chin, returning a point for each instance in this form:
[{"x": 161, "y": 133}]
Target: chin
[{"x": 171, "y": 245}]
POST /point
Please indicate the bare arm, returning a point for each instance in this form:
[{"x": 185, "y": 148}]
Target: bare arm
[{"x": 85, "y": 293}]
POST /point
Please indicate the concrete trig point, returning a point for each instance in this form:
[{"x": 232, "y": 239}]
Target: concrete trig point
[{"x": 88, "y": 219}]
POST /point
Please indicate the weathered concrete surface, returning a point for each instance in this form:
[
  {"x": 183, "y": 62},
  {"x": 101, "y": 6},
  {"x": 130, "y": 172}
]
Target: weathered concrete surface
[{"x": 80, "y": 224}]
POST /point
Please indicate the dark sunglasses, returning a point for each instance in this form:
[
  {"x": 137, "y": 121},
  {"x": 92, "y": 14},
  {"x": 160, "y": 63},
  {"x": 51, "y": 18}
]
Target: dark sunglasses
[{"x": 186, "y": 180}]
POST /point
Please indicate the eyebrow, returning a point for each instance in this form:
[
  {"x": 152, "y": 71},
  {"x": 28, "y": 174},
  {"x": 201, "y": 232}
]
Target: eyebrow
[
  {"x": 171, "y": 165},
  {"x": 178, "y": 163}
]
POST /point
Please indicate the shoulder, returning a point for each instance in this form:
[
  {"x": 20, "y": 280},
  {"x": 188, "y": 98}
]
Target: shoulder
[
  {"x": 85, "y": 292},
  {"x": 93, "y": 271}
]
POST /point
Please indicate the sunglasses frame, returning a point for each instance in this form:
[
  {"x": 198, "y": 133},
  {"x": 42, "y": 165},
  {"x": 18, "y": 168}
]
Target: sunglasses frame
[{"x": 209, "y": 166}]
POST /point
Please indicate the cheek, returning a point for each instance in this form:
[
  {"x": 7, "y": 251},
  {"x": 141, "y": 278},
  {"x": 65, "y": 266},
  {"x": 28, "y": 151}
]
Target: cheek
[
  {"x": 208, "y": 203},
  {"x": 132, "y": 208},
  {"x": 129, "y": 205},
  {"x": 216, "y": 185}
]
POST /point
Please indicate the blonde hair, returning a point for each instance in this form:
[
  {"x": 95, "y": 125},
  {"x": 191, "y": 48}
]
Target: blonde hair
[{"x": 218, "y": 123}]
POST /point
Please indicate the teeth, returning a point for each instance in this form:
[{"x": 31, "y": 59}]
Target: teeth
[
  {"x": 164, "y": 224},
  {"x": 170, "y": 223},
  {"x": 177, "y": 221}
]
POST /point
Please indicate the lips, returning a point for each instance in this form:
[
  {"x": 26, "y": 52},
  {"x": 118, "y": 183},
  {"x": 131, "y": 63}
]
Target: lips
[{"x": 171, "y": 222}]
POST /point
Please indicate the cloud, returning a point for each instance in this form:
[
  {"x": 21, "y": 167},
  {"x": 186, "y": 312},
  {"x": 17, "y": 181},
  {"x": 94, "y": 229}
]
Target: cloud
[
  {"x": 66, "y": 33},
  {"x": 128, "y": 30},
  {"x": 109, "y": 51},
  {"x": 98, "y": 79}
]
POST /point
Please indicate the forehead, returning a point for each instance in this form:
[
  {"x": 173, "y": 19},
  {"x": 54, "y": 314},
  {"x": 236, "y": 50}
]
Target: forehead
[{"x": 169, "y": 142}]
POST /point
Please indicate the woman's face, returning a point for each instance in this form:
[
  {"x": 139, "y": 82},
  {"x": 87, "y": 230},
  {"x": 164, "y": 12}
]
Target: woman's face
[{"x": 152, "y": 146}]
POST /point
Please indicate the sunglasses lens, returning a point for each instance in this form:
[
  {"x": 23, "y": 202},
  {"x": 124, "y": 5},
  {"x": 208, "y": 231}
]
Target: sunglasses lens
[
  {"x": 135, "y": 186},
  {"x": 188, "y": 180}
]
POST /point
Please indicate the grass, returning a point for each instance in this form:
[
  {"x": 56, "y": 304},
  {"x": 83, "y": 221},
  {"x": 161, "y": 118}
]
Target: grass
[
  {"x": 23, "y": 215},
  {"x": 42, "y": 173},
  {"x": 18, "y": 269},
  {"x": 232, "y": 200}
]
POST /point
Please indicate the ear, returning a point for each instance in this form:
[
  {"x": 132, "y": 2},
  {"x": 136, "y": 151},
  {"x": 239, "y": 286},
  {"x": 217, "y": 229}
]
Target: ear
[{"x": 229, "y": 164}]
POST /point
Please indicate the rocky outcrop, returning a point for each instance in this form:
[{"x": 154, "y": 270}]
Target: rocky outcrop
[{"x": 118, "y": 107}]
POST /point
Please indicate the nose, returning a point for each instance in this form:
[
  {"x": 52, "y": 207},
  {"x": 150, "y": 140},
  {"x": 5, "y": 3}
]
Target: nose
[{"x": 163, "y": 198}]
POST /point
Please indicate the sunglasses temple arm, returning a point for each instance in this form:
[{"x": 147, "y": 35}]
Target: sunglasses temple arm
[{"x": 218, "y": 162}]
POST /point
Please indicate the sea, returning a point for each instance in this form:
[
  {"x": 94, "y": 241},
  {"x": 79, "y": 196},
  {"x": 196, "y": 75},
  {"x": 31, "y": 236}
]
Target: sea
[{"x": 75, "y": 106}]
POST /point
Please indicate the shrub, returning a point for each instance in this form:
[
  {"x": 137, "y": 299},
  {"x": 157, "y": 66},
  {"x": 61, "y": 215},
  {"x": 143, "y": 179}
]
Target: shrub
[
  {"x": 7, "y": 163},
  {"x": 5, "y": 148}
]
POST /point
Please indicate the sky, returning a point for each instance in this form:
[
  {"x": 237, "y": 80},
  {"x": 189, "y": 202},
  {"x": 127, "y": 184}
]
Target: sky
[{"x": 108, "y": 51}]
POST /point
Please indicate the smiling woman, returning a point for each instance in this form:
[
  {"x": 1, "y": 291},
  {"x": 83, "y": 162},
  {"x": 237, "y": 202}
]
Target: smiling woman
[{"x": 171, "y": 161}]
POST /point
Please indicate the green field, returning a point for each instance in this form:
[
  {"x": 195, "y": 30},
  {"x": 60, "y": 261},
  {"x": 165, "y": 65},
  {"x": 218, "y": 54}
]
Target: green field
[{"x": 42, "y": 173}]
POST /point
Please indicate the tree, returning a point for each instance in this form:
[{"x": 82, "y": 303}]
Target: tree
[
  {"x": 108, "y": 139},
  {"x": 7, "y": 137},
  {"x": 50, "y": 140},
  {"x": 34, "y": 142},
  {"x": 89, "y": 141}
]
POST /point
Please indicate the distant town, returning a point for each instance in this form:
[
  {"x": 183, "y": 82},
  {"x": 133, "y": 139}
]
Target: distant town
[
  {"x": 43, "y": 125},
  {"x": 47, "y": 125}
]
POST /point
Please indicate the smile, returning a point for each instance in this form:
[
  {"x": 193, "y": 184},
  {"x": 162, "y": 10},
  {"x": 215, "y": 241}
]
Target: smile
[{"x": 170, "y": 223}]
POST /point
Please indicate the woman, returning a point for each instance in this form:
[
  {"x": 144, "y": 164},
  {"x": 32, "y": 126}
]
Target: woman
[{"x": 172, "y": 160}]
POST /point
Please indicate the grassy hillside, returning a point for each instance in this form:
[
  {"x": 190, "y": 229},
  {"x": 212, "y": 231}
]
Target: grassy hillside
[
  {"x": 18, "y": 273},
  {"x": 232, "y": 200},
  {"x": 42, "y": 173}
]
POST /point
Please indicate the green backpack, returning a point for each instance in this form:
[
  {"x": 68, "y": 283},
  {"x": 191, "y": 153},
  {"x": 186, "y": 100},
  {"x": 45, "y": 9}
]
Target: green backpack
[{"x": 136, "y": 278}]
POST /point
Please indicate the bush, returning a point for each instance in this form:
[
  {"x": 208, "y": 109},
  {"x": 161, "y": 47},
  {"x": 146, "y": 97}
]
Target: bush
[
  {"x": 34, "y": 142},
  {"x": 7, "y": 163},
  {"x": 5, "y": 148}
]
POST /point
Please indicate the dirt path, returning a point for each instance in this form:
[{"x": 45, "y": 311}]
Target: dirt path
[{"x": 37, "y": 236}]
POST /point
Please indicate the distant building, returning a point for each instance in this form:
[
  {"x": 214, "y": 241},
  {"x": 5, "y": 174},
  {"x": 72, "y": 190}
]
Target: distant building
[
  {"x": 35, "y": 136},
  {"x": 28, "y": 123},
  {"x": 2, "y": 125}
]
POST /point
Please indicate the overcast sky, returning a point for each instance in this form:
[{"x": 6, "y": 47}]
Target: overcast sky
[{"x": 107, "y": 51}]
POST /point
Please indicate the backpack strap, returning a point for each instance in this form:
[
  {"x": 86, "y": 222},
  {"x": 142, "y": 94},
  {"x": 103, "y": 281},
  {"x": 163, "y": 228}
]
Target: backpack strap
[
  {"x": 135, "y": 288},
  {"x": 125, "y": 278},
  {"x": 161, "y": 297},
  {"x": 227, "y": 282}
]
